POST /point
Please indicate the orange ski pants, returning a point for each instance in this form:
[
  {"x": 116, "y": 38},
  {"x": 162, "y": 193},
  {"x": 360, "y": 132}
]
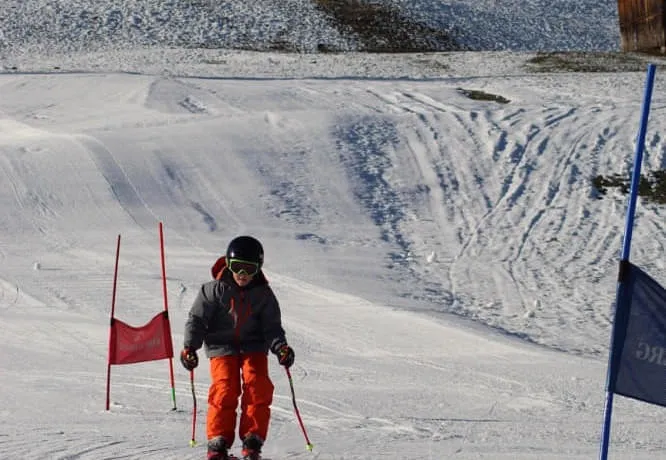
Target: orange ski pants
[{"x": 255, "y": 390}]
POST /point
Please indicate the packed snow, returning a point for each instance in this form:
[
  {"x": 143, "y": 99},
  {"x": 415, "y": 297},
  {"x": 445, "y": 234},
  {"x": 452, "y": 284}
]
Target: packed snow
[{"x": 445, "y": 267}]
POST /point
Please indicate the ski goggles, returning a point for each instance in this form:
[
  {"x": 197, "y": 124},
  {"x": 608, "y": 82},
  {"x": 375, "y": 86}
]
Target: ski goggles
[{"x": 243, "y": 267}]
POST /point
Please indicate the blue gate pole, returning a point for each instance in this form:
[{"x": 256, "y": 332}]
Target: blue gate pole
[{"x": 615, "y": 355}]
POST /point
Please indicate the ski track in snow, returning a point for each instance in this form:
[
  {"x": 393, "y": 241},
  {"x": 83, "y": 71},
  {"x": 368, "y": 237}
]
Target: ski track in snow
[
  {"x": 504, "y": 157},
  {"x": 499, "y": 194}
]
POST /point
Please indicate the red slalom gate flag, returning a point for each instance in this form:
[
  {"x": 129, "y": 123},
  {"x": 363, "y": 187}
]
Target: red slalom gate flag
[{"x": 150, "y": 342}]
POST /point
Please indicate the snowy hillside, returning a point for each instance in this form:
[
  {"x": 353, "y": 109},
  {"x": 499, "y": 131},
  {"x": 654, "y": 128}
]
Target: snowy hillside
[
  {"x": 47, "y": 26},
  {"x": 401, "y": 219},
  {"x": 444, "y": 264}
]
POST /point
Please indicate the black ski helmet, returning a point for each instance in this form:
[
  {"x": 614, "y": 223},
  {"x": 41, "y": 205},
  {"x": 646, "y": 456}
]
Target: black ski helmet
[{"x": 246, "y": 248}]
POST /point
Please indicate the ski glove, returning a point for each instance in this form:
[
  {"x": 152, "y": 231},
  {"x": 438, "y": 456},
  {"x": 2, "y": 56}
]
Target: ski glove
[
  {"x": 285, "y": 355},
  {"x": 189, "y": 359}
]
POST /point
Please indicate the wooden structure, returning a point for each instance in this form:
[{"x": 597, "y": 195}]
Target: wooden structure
[{"x": 642, "y": 25}]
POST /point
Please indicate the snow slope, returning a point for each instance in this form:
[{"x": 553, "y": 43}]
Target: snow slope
[
  {"x": 44, "y": 27},
  {"x": 445, "y": 268}
]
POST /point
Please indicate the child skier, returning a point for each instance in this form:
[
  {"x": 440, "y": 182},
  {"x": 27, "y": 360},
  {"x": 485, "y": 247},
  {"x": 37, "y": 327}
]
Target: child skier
[{"x": 237, "y": 317}]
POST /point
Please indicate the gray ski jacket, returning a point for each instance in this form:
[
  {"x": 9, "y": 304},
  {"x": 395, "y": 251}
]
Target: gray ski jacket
[{"x": 231, "y": 320}]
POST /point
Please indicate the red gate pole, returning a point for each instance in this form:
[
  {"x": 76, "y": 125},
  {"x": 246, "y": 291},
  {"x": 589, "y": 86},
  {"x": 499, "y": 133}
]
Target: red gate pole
[
  {"x": 166, "y": 309},
  {"x": 113, "y": 309}
]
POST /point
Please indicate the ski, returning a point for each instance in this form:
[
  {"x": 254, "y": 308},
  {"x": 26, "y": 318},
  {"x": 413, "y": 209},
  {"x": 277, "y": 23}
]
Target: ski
[{"x": 234, "y": 457}]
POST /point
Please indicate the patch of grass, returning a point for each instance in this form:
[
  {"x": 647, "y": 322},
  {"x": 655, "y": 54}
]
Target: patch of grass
[
  {"x": 587, "y": 62},
  {"x": 482, "y": 96},
  {"x": 383, "y": 28},
  {"x": 431, "y": 62},
  {"x": 652, "y": 186},
  {"x": 602, "y": 183},
  {"x": 214, "y": 61}
]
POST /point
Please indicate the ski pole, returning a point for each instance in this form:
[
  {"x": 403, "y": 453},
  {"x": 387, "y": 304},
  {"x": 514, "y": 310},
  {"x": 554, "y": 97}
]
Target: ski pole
[
  {"x": 193, "y": 441},
  {"x": 308, "y": 445}
]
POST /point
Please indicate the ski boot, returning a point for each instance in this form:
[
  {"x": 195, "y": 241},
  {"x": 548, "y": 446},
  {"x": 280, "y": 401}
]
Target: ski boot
[
  {"x": 218, "y": 449},
  {"x": 251, "y": 447}
]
